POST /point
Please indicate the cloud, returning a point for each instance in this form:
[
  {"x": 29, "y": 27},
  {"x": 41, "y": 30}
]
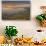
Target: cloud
[{"x": 15, "y": 0}]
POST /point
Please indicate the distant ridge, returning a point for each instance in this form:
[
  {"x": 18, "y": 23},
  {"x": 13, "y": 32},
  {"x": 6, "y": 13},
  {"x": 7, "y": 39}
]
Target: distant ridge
[{"x": 16, "y": 2}]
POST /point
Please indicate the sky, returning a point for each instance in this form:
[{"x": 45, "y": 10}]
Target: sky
[{"x": 15, "y": 0}]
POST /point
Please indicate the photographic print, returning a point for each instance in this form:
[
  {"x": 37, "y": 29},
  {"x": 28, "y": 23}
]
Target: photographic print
[{"x": 16, "y": 10}]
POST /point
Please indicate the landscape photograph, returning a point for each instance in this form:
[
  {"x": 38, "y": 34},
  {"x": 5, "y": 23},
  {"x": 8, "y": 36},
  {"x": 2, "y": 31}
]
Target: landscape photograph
[{"x": 16, "y": 10}]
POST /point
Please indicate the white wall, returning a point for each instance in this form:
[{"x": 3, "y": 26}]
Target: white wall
[
  {"x": 25, "y": 27},
  {"x": 34, "y": 12}
]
